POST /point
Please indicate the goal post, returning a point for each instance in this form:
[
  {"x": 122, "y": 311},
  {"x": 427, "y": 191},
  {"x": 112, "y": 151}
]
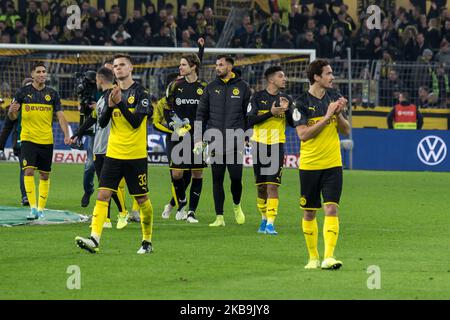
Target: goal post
[{"x": 151, "y": 67}]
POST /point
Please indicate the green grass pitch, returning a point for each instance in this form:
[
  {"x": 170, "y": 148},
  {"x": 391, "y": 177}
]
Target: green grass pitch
[{"x": 398, "y": 221}]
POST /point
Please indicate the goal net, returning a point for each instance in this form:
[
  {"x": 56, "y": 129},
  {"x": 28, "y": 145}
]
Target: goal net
[{"x": 151, "y": 68}]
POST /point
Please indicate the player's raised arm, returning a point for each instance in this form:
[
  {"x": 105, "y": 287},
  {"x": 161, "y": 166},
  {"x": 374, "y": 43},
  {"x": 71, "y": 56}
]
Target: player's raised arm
[{"x": 305, "y": 133}]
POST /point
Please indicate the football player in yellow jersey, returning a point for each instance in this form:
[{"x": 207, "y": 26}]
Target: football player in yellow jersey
[
  {"x": 126, "y": 155},
  {"x": 35, "y": 105},
  {"x": 319, "y": 117},
  {"x": 266, "y": 114}
]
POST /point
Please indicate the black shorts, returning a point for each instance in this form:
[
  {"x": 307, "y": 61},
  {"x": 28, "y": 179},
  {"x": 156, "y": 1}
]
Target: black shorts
[
  {"x": 181, "y": 156},
  {"x": 134, "y": 171},
  {"x": 313, "y": 182},
  {"x": 37, "y": 156},
  {"x": 268, "y": 163},
  {"x": 99, "y": 159}
]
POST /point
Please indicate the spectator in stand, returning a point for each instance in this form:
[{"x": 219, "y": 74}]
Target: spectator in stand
[
  {"x": 46, "y": 38},
  {"x": 101, "y": 15},
  {"x": 186, "y": 40},
  {"x": 325, "y": 43},
  {"x": 183, "y": 20},
  {"x": 79, "y": 39},
  {"x": 446, "y": 32},
  {"x": 409, "y": 43},
  {"x": 32, "y": 14},
  {"x": 248, "y": 37},
  {"x": 212, "y": 21},
  {"x": 390, "y": 89},
  {"x": 134, "y": 24},
  {"x": 443, "y": 55},
  {"x": 374, "y": 50},
  {"x": 10, "y": 16},
  {"x": 441, "y": 85},
  {"x": 284, "y": 41},
  {"x": 200, "y": 29},
  {"x": 341, "y": 22},
  {"x": 239, "y": 31},
  {"x": 308, "y": 42},
  {"x": 258, "y": 42},
  {"x": 163, "y": 39},
  {"x": 152, "y": 17},
  {"x": 144, "y": 38},
  {"x": 112, "y": 23},
  {"x": 311, "y": 25},
  {"x": 99, "y": 35},
  {"x": 35, "y": 34},
  {"x": 121, "y": 36},
  {"x": 297, "y": 20},
  {"x": 44, "y": 17},
  {"x": 21, "y": 36},
  {"x": 272, "y": 30},
  {"x": 175, "y": 32},
  {"x": 387, "y": 64},
  {"x": 322, "y": 16},
  {"x": 427, "y": 99},
  {"x": 423, "y": 71},
  {"x": 422, "y": 24},
  {"x": 420, "y": 46},
  {"x": 340, "y": 44},
  {"x": 433, "y": 34},
  {"x": 211, "y": 36}
]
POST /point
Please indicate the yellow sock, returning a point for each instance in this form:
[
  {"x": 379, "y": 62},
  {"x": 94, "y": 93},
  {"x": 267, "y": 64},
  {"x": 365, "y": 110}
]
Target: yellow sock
[
  {"x": 330, "y": 235},
  {"x": 44, "y": 186},
  {"x": 146, "y": 220},
  {"x": 30, "y": 188},
  {"x": 262, "y": 207},
  {"x": 311, "y": 233},
  {"x": 135, "y": 206},
  {"x": 272, "y": 209},
  {"x": 99, "y": 218},
  {"x": 121, "y": 196}
]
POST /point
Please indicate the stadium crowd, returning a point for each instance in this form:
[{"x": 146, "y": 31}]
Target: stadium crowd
[{"x": 412, "y": 36}]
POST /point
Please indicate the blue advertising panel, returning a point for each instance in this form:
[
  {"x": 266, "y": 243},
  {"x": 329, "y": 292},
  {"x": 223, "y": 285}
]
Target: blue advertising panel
[{"x": 403, "y": 150}]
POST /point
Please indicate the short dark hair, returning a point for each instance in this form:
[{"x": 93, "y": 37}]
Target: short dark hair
[
  {"x": 38, "y": 64},
  {"x": 192, "y": 60},
  {"x": 272, "y": 70},
  {"x": 123, "y": 55},
  {"x": 227, "y": 58},
  {"x": 316, "y": 68},
  {"x": 106, "y": 74}
]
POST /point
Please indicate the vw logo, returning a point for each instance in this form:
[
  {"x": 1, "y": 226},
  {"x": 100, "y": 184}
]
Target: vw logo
[{"x": 431, "y": 150}]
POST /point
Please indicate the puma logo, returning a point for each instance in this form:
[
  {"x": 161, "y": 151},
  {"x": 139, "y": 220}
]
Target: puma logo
[
  {"x": 30, "y": 96},
  {"x": 312, "y": 108},
  {"x": 308, "y": 234},
  {"x": 335, "y": 233},
  {"x": 217, "y": 91},
  {"x": 180, "y": 89}
]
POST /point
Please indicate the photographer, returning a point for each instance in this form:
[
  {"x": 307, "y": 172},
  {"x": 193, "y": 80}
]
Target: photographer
[
  {"x": 104, "y": 80},
  {"x": 86, "y": 91},
  {"x": 12, "y": 126}
]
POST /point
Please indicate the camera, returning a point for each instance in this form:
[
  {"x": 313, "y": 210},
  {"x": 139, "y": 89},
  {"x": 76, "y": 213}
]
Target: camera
[{"x": 85, "y": 90}]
